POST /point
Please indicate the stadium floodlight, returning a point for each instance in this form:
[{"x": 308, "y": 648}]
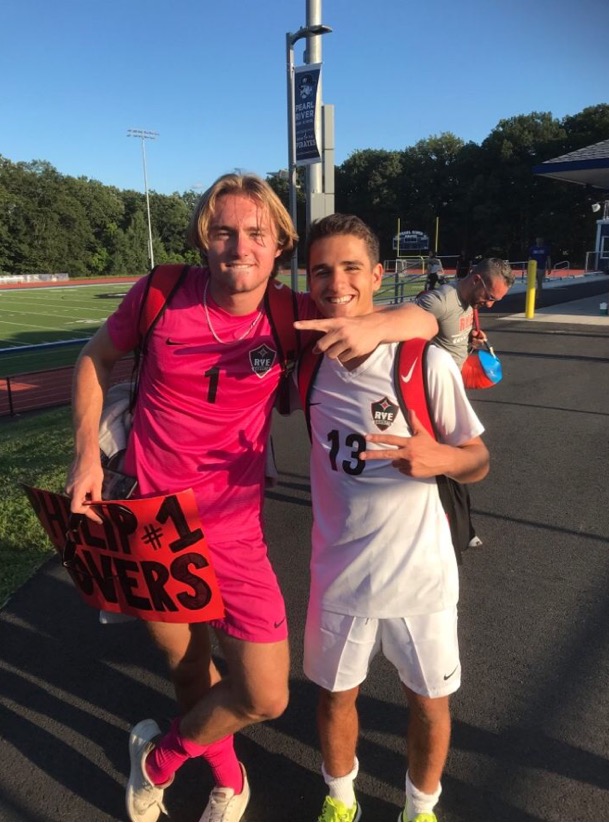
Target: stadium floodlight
[
  {"x": 146, "y": 135},
  {"x": 290, "y": 40}
]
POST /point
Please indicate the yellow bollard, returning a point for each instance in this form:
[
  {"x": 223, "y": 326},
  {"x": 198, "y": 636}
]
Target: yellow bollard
[{"x": 529, "y": 310}]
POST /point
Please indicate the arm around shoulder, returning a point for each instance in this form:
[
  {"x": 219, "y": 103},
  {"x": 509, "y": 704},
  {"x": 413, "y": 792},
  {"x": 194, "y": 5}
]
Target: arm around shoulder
[
  {"x": 405, "y": 321},
  {"x": 349, "y": 337}
]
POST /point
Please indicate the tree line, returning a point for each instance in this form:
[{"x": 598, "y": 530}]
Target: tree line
[{"x": 482, "y": 199}]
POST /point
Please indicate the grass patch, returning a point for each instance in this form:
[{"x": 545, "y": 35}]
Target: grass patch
[
  {"x": 34, "y": 449},
  {"x": 52, "y": 316}
]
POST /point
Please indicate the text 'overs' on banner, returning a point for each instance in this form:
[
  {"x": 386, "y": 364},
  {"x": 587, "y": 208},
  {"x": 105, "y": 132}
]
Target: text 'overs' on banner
[
  {"x": 147, "y": 558},
  {"x": 306, "y": 88}
]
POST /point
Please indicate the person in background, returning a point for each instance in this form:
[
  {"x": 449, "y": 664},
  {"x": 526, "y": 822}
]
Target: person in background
[
  {"x": 453, "y": 305},
  {"x": 383, "y": 568},
  {"x": 434, "y": 271},
  {"x": 202, "y": 422},
  {"x": 462, "y": 266}
]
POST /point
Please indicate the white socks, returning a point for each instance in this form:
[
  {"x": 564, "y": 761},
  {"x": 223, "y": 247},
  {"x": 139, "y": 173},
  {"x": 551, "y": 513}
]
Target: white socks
[
  {"x": 417, "y": 802},
  {"x": 341, "y": 788}
]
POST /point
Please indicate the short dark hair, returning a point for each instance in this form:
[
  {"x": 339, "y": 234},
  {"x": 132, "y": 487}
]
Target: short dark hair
[
  {"x": 337, "y": 223},
  {"x": 494, "y": 267}
]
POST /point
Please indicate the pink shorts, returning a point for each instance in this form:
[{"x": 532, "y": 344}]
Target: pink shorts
[{"x": 255, "y": 609}]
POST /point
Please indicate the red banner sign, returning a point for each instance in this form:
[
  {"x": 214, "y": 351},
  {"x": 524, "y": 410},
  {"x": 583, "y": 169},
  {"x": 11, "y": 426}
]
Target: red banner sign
[{"x": 148, "y": 558}]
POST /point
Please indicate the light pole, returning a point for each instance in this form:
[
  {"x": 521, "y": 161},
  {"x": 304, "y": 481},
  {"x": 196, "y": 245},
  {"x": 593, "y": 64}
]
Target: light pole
[
  {"x": 146, "y": 135},
  {"x": 290, "y": 40}
]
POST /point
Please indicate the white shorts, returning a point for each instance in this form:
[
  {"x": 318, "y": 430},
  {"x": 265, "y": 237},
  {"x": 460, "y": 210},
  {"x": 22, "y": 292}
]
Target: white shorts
[{"x": 424, "y": 649}]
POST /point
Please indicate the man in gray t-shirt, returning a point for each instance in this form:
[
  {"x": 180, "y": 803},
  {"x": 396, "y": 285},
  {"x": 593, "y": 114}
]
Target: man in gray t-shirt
[
  {"x": 455, "y": 319},
  {"x": 453, "y": 307}
]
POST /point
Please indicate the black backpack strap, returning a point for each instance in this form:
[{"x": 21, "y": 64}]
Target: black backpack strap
[
  {"x": 281, "y": 309},
  {"x": 308, "y": 366}
]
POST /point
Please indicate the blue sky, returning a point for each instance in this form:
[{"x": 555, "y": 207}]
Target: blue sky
[{"x": 209, "y": 76}]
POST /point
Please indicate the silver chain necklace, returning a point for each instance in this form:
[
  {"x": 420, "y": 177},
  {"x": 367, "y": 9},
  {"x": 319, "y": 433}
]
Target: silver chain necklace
[{"x": 213, "y": 331}]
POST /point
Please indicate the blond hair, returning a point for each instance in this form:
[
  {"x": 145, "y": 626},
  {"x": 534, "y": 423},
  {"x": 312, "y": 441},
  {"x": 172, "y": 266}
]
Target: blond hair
[{"x": 248, "y": 185}]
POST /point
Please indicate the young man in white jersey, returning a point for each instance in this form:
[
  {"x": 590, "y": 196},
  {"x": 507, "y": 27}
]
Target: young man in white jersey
[
  {"x": 383, "y": 568},
  {"x": 202, "y": 421}
]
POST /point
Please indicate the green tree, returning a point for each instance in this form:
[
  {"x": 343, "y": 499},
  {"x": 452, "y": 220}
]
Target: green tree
[
  {"x": 590, "y": 126},
  {"x": 170, "y": 217},
  {"x": 507, "y": 214},
  {"x": 104, "y": 209},
  {"x": 367, "y": 184},
  {"x": 483, "y": 198},
  {"x": 429, "y": 189}
]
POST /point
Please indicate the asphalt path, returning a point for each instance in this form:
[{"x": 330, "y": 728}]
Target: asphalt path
[{"x": 531, "y": 720}]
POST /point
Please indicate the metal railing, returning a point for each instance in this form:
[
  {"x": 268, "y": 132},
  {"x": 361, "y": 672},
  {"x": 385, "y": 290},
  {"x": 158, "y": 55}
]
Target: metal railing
[{"x": 398, "y": 287}]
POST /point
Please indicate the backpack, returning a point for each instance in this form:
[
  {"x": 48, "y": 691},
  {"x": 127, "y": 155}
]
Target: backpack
[
  {"x": 119, "y": 401},
  {"x": 163, "y": 282},
  {"x": 411, "y": 357}
]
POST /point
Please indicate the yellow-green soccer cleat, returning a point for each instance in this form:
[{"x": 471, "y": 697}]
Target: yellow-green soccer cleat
[{"x": 334, "y": 811}]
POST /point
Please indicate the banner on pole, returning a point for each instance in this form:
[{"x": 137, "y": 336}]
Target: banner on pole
[
  {"x": 148, "y": 558},
  {"x": 306, "y": 88}
]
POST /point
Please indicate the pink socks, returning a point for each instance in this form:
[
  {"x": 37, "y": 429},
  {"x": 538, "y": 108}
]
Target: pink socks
[
  {"x": 225, "y": 767},
  {"x": 174, "y": 749}
]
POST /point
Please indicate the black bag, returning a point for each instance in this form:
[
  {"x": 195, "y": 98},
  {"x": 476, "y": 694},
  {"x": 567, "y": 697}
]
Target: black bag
[{"x": 455, "y": 501}]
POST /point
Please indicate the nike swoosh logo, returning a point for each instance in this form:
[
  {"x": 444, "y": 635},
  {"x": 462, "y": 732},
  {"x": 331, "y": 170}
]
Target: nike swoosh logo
[
  {"x": 281, "y": 622},
  {"x": 278, "y": 284},
  {"x": 448, "y": 676},
  {"x": 406, "y": 377},
  {"x": 170, "y": 342}
]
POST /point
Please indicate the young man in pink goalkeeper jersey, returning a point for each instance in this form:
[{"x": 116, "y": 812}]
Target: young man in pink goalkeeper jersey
[{"x": 202, "y": 421}]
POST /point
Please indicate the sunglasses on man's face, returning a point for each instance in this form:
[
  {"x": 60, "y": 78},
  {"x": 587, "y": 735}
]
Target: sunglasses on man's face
[{"x": 489, "y": 298}]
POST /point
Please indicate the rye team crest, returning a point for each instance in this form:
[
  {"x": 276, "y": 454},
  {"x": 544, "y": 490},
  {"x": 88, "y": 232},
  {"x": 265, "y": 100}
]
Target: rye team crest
[
  {"x": 262, "y": 359},
  {"x": 383, "y": 413}
]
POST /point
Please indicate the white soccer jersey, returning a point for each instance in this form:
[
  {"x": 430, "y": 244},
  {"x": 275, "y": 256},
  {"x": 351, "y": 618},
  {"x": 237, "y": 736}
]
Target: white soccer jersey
[{"x": 381, "y": 544}]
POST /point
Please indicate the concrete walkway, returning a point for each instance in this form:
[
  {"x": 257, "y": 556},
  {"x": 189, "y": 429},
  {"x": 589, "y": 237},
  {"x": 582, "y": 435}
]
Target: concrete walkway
[{"x": 585, "y": 310}]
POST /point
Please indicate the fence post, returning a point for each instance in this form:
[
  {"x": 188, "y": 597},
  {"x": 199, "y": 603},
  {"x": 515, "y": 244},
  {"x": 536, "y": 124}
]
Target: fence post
[
  {"x": 10, "y": 397},
  {"x": 529, "y": 311}
]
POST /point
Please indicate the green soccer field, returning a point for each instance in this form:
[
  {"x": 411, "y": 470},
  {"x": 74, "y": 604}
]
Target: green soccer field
[{"x": 54, "y": 315}]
